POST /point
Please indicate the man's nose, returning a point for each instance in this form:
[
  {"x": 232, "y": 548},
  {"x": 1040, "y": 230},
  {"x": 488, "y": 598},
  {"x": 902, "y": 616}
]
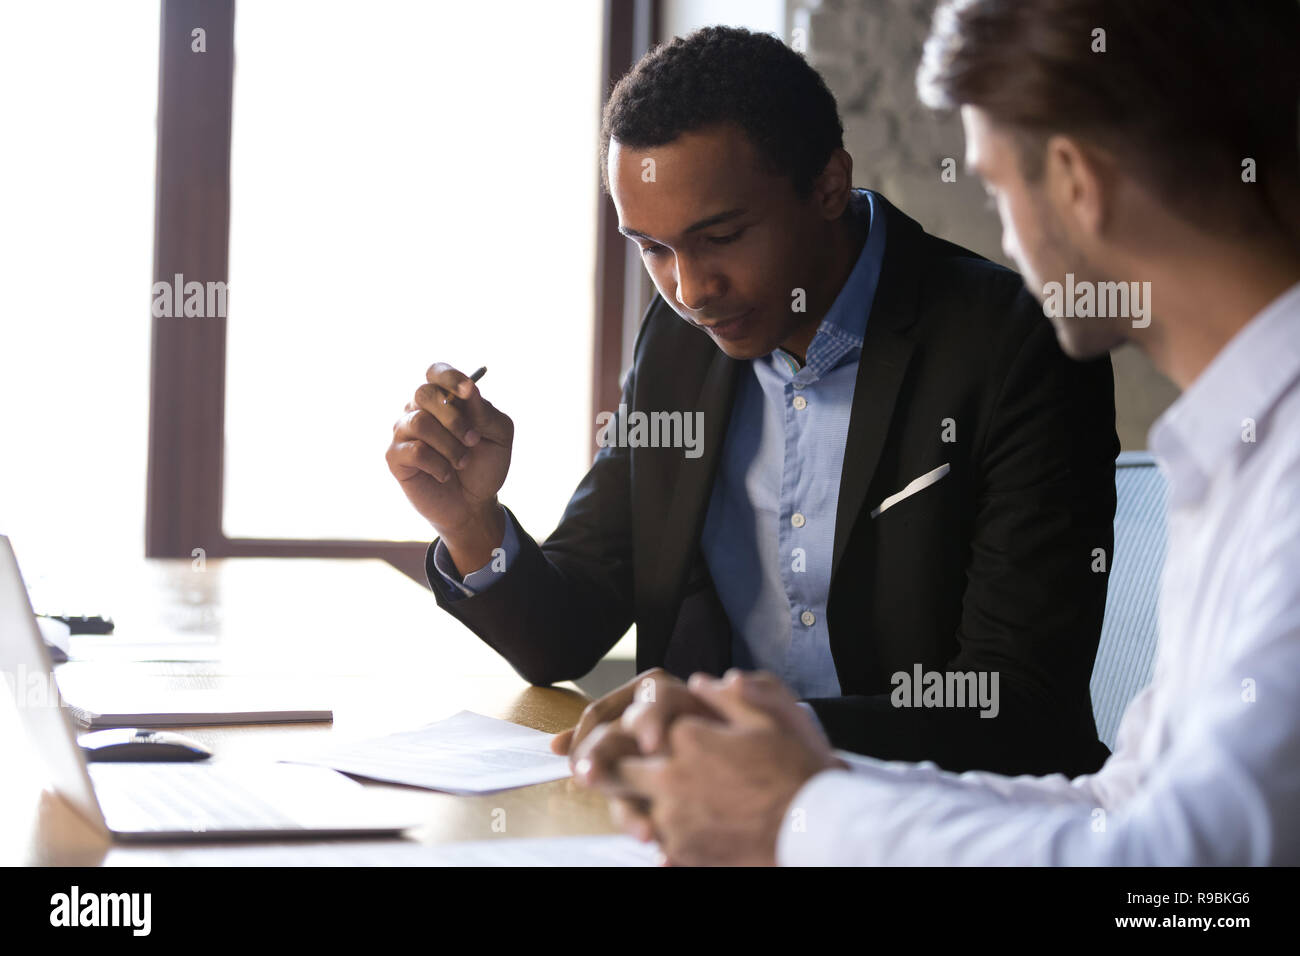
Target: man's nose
[{"x": 696, "y": 288}]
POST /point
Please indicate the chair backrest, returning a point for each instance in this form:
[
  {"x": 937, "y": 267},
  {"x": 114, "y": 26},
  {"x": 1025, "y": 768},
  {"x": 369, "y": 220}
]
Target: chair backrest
[{"x": 1126, "y": 653}]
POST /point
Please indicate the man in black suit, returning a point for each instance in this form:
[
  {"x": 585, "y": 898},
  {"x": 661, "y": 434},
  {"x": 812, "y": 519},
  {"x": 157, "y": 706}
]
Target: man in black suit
[{"x": 861, "y": 461}]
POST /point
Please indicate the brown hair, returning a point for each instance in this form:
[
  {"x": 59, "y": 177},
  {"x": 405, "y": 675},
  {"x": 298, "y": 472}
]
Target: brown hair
[{"x": 1184, "y": 92}]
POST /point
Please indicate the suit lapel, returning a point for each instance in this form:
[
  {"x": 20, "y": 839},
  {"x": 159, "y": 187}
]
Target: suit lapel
[
  {"x": 885, "y": 355},
  {"x": 886, "y": 351},
  {"x": 692, "y": 487}
]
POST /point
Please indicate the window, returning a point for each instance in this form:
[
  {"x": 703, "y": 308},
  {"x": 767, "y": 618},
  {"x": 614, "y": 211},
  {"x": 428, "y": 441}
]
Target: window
[
  {"x": 406, "y": 187},
  {"x": 77, "y": 198}
]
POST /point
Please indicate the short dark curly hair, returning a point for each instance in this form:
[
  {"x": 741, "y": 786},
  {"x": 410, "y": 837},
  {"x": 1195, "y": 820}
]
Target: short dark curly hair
[{"x": 728, "y": 75}]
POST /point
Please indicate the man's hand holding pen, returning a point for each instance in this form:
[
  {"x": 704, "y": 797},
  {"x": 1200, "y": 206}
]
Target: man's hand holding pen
[{"x": 451, "y": 453}]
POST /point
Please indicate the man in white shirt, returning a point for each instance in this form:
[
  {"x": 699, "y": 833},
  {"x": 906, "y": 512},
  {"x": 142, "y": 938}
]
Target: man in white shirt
[{"x": 1153, "y": 145}]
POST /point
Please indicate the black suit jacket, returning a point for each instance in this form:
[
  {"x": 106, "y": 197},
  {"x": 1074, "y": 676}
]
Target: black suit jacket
[{"x": 989, "y": 569}]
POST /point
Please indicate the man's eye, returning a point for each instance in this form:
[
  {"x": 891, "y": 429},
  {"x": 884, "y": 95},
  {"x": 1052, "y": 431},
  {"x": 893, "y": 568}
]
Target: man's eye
[
  {"x": 723, "y": 240},
  {"x": 651, "y": 250}
]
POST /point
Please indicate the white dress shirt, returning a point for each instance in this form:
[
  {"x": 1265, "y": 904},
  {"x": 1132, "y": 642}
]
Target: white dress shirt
[{"x": 1206, "y": 768}]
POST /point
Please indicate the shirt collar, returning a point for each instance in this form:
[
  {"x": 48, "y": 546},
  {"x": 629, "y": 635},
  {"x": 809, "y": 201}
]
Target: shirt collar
[
  {"x": 1219, "y": 420},
  {"x": 844, "y": 326}
]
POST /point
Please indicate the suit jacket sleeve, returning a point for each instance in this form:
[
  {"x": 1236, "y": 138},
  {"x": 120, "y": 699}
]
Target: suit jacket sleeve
[
  {"x": 561, "y": 605},
  {"x": 1034, "y": 600}
]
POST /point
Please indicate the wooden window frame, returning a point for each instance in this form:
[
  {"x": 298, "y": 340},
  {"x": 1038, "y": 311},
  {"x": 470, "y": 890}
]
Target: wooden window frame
[
  {"x": 187, "y": 388},
  {"x": 622, "y": 287}
]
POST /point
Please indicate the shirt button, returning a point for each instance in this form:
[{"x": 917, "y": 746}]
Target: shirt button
[
  {"x": 797, "y": 520},
  {"x": 808, "y": 618},
  {"x": 800, "y": 402}
]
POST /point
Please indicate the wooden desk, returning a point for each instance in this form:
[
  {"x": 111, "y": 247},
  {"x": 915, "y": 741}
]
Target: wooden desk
[{"x": 367, "y": 636}]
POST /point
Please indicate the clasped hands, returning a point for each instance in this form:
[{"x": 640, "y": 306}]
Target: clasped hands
[{"x": 706, "y": 768}]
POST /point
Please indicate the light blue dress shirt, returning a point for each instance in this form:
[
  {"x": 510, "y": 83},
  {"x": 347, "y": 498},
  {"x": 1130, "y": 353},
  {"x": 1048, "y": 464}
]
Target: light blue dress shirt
[{"x": 770, "y": 526}]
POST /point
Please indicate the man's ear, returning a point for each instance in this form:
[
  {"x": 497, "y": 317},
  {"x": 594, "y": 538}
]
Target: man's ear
[
  {"x": 1080, "y": 185},
  {"x": 834, "y": 186}
]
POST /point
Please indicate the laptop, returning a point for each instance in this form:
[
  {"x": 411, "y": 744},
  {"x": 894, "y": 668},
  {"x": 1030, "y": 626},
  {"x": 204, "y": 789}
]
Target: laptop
[{"x": 214, "y": 799}]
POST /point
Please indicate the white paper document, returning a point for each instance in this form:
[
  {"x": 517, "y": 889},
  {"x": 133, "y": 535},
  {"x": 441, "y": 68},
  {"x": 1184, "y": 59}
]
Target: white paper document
[
  {"x": 506, "y": 851},
  {"x": 467, "y": 753}
]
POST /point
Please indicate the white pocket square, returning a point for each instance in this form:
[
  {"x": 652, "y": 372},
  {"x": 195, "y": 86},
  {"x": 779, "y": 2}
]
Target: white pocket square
[{"x": 917, "y": 484}]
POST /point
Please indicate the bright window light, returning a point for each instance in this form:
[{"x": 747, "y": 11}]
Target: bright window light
[
  {"x": 411, "y": 183},
  {"x": 80, "y": 83}
]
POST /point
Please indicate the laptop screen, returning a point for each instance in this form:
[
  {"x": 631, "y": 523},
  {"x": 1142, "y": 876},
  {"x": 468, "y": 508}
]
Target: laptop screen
[{"x": 29, "y": 676}]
